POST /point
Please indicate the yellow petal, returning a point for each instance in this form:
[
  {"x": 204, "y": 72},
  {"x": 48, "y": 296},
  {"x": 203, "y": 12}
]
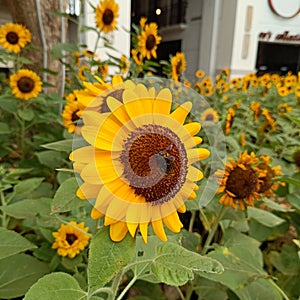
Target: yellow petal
[
  {"x": 132, "y": 227},
  {"x": 141, "y": 90},
  {"x": 197, "y": 140},
  {"x": 163, "y": 102},
  {"x": 90, "y": 174},
  {"x": 88, "y": 191},
  {"x": 144, "y": 232},
  {"x": 182, "y": 208},
  {"x": 118, "y": 231},
  {"x": 172, "y": 222},
  {"x": 117, "y": 79},
  {"x": 194, "y": 174},
  {"x": 193, "y": 128},
  {"x": 108, "y": 221},
  {"x": 96, "y": 214},
  {"x": 197, "y": 154},
  {"x": 192, "y": 196},
  {"x": 181, "y": 112},
  {"x": 159, "y": 230}
]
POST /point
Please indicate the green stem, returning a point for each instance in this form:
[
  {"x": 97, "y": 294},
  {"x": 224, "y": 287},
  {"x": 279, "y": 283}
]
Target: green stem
[
  {"x": 5, "y": 220},
  {"x": 284, "y": 295},
  {"x": 106, "y": 290},
  {"x": 129, "y": 285},
  {"x": 180, "y": 293},
  {"x": 212, "y": 232},
  {"x": 192, "y": 220},
  {"x": 115, "y": 285}
]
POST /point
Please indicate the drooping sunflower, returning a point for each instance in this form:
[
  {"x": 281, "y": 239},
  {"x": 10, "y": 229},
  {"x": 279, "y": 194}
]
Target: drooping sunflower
[
  {"x": 124, "y": 64},
  {"x": 138, "y": 167},
  {"x": 82, "y": 69},
  {"x": 210, "y": 115},
  {"x": 107, "y": 13},
  {"x": 25, "y": 84},
  {"x": 229, "y": 120},
  {"x": 14, "y": 37},
  {"x": 70, "y": 239},
  {"x": 178, "y": 64},
  {"x": 256, "y": 108},
  {"x": 239, "y": 181},
  {"x": 148, "y": 40}
]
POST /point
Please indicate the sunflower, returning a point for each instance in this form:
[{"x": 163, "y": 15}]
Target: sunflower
[
  {"x": 148, "y": 41},
  {"x": 70, "y": 239},
  {"x": 200, "y": 74},
  {"x": 297, "y": 90},
  {"x": 178, "y": 64},
  {"x": 25, "y": 84},
  {"x": 102, "y": 69},
  {"x": 71, "y": 114},
  {"x": 229, "y": 119},
  {"x": 270, "y": 120},
  {"x": 210, "y": 115},
  {"x": 107, "y": 13},
  {"x": 138, "y": 166},
  {"x": 243, "y": 139},
  {"x": 14, "y": 37},
  {"x": 81, "y": 71},
  {"x": 143, "y": 21},
  {"x": 239, "y": 181},
  {"x": 94, "y": 95},
  {"x": 266, "y": 183},
  {"x": 255, "y": 107},
  {"x": 124, "y": 64},
  {"x": 283, "y": 109}
]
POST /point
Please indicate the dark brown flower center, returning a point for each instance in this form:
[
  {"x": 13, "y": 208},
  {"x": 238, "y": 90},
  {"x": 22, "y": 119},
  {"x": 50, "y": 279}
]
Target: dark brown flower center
[
  {"x": 74, "y": 116},
  {"x": 266, "y": 182},
  {"x": 12, "y": 38},
  {"x": 25, "y": 84},
  {"x": 242, "y": 183},
  {"x": 155, "y": 163},
  {"x": 150, "y": 42},
  {"x": 108, "y": 17},
  {"x": 71, "y": 238},
  {"x": 209, "y": 117}
]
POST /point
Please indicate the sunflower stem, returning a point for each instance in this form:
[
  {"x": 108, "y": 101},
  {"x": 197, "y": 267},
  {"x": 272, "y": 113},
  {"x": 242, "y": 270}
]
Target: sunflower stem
[
  {"x": 128, "y": 286},
  {"x": 284, "y": 295},
  {"x": 212, "y": 232},
  {"x": 180, "y": 293},
  {"x": 192, "y": 220},
  {"x": 5, "y": 220},
  {"x": 115, "y": 285}
]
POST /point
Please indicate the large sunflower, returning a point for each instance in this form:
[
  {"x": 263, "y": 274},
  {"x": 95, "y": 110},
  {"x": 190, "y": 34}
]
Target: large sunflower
[
  {"x": 14, "y": 37},
  {"x": 138, "y": 166},
  {"x": 25, "y": 84},
  {"x": 240, "y": 181},
  {"x": 148, "y": 41},
  {"x": 70, "y": 239},
  {"x": 178, "y": 64},
  {"x": 107, "y": 13}
]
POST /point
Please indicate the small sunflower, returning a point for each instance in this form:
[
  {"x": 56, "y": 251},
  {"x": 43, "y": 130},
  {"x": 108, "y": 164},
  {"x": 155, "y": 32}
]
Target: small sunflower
[
  {"x": 283, "y": 109},
  {"x": 243, "y": 139},
  {"x": 210, "y": 115},
  {"x": 229, "y": 120},
  {"x": 138, "y": 166},
  {"x": 14, "y": 37},
  {"x": 266, "y": 183},
  {"x": 239, "y": 181},
  {"x": 270, "y": 120},
  {"x": 255, "y": 107},
  {"x": 25, "y": 84},
  {"x": 103, "y": 69},
  {"x": 178, "y": 64},
  {"x": 124, "y": 64},
  {"x": 70, "y": 239},
  {"x": 200, "y": 74},
  {"x": 148, "y": 41},
  {"x": 81, "y": 71},
  {"x": 107, "y": 13}
]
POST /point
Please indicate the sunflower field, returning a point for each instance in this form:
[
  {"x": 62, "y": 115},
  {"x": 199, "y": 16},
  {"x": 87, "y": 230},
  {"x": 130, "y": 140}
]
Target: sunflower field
[{"x": 140, "y": 183}]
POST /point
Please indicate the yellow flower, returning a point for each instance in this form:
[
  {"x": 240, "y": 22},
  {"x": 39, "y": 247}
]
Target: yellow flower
[
  {"x": 243, "y": 139},
  {"x": 255, "y": 107},
  {"x": 124, "y": 64},
  {"x": 107, "y": 13},
  {"x": 283, "y": 109},
  {"x": 143, "y": 21},
  {"x": 103, "y": 69},
  {"x": 25, "y": 84},
  {"x": 239, "y": 181},
  {"x": 14, "y": 37},
  {"x": 229, "y": 120},
  {"x": 282, "y": 91},
  {"x": 138, "y": 166},
  {"x": 210, "y": 115},
  {"x": 200, "y": 74},
  {"x": 137, "y": 57},
  {"x": 81, "y": 71},
  {"x": 70, "y": 239},
  {"x": 148, "y": 41},
  {"x": 178, "y": 64}
]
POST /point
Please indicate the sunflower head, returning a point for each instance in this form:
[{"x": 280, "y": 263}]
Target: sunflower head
[
  {"x": 148, "y": 41},
  {"x": 107, "y": 13},
  {"x": 14, "y": 37},
  {"x": 25, "y": 84},
  {"x": 70, "y": 239},
  {"x": 229, "y": 120},
  {"x": 138, "y": 167},
  {"x": 178, "y": 64},
  {"x": 210, "y": 115}
]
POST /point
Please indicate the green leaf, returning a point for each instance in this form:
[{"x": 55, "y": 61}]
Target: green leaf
[
  {"x": 264, "y": 217},
  {"x": 26, "y": 186},
  {"x": 13, "y": 243},
  {"x": 56, "y": 286},
  {"x": 290, "y": 180},
  {"x": 107, "y": 258},
  {"x": 64, "y": 145},
  {"x": 4, "y": 129},
  {"x": 26, "y": 114},
  {"x": 50, "y": 158},
  {"x": 18, "y": 273},
  {"x": 57, "y": 50},
  {"x": 8, "y": 103},
  {"x": 65, "y": 198},
  {"x": 175, "y": 265},
  {"x": 28, "y": 208},
  {"x": 294, "y": 200}
]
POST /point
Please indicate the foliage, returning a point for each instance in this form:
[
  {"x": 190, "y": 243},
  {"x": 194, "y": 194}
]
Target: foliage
[{"x": 221, "y": 253}]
